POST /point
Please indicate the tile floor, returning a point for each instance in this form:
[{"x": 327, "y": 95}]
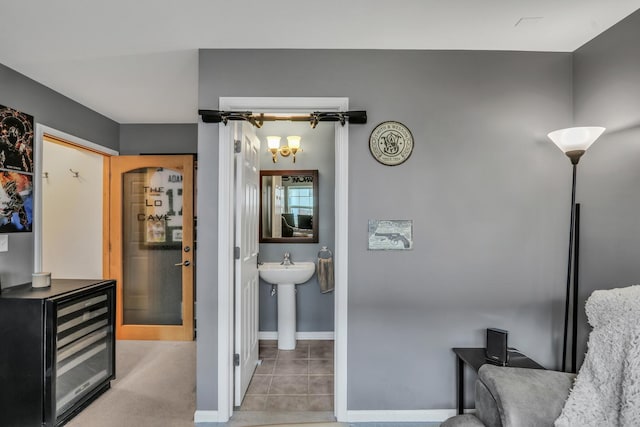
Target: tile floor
[{"x": 292, "y": 380}]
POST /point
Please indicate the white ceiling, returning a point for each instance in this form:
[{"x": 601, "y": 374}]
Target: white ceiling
[{"x": 137, "y": 61}]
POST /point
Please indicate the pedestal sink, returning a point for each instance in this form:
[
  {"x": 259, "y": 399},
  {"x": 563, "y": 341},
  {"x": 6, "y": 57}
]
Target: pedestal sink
[{"x": 286, "y": 277}]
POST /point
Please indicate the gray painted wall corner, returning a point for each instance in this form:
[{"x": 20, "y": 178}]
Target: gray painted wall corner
[
  {"x": 607, "y": 93},
  {"x": 479, "y": 186}
]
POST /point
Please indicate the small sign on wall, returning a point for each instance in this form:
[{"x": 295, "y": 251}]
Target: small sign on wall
[
  {"x": 390, "y": 235},
  {"x": 391, "y": 143}
]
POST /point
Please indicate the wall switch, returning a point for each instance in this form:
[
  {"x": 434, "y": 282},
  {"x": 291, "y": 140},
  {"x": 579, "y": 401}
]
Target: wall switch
[{"x": 4, "y": 242}]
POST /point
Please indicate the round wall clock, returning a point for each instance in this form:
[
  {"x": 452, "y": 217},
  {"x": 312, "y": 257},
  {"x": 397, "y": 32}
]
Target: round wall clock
[{"x": 391, "y": 143}]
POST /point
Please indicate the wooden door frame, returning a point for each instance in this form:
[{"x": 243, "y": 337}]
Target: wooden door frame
[
  {"x": 58, "y": 136},
  {"x": 226, "y": 241},
  {"x": 184, "y": 332}
]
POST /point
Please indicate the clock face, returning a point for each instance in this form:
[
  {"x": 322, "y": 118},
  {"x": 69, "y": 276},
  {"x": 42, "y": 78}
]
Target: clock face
[{"x": 391, "y": 143}]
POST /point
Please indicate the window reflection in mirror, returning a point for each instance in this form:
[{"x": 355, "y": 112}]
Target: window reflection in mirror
[{"x": 289, "y": 206}]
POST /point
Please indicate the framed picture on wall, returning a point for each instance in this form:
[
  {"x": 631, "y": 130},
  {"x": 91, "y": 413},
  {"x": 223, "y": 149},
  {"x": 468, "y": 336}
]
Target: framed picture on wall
[
  {"x": 390, "y": 235},
  {"x": 16, "y": 202},
  {"x": 16, "y": 140}
]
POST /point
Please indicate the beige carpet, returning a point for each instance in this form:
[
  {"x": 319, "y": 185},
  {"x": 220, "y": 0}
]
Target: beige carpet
[{"x": 155, "y": 387}]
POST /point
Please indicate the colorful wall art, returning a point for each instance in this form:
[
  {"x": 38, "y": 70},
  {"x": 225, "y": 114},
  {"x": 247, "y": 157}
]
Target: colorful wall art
[
  {"x": 16, "y": 171},
  {"x": 16, "y": 202}
]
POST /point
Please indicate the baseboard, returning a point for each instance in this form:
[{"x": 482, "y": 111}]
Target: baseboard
[
  {"x": 427, "y": 415},
  {"x": 206, "y": 417},
  {"x": 273, "y": 335}
]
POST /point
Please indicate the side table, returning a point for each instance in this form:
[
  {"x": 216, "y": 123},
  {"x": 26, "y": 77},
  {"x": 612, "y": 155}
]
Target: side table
[{"x": 475, "y": 357}]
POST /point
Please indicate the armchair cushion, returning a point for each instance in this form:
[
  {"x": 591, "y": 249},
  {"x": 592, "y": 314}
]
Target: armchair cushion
[
  {"x": 466, "y": 420},
  {"x": 521, "y": 397}
]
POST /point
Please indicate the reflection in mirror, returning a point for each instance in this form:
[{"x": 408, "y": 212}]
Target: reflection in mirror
[{"x": 289, "y": 206}]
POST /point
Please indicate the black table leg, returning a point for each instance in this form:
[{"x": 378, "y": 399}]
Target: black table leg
[{"x": 460, "y": 382}]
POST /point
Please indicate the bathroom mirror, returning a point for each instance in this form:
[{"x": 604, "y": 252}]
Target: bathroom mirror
[{"x": 289, "y": 206}]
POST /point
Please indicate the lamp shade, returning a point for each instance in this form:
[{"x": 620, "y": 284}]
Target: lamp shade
[
  {"x": 293, "y": 141},
  {"x": 273, "y": 142},
  {"x": 575, "y": 139}
]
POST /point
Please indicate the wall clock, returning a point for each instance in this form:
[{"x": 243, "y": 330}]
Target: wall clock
[{"x": 391, "y": 143}]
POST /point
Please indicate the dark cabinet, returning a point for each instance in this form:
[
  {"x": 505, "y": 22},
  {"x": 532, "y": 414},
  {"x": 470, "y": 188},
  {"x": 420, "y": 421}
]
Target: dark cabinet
[{"x": 57, "y": 350}]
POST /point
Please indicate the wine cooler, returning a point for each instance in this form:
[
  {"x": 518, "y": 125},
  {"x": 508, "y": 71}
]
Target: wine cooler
[{"x": 57, "y": 350}]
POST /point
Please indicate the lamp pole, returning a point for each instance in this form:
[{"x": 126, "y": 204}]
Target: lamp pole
[
  {"x": 574, "y": 143},
  {"x": 569, "y": 265},
  {"x": 574, "y": 239}
]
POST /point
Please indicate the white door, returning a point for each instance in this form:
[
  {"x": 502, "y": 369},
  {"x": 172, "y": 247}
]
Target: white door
[{"x": 247, "y": 200}]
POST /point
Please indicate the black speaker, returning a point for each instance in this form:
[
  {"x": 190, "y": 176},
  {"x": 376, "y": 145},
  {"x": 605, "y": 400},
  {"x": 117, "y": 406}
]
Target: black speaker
[{"x": 497, "y": 350}]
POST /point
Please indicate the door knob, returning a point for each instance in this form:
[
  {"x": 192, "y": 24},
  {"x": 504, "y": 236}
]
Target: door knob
[{"x": 186, "y": 263}]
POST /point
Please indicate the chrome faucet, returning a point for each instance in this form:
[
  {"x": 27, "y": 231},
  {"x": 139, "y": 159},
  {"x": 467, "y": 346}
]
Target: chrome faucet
[{"x": 286, "y": 260}]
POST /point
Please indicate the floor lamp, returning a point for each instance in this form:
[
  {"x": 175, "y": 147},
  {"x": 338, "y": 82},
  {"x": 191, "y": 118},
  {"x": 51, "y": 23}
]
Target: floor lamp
[{"x": 574, "y": 142}]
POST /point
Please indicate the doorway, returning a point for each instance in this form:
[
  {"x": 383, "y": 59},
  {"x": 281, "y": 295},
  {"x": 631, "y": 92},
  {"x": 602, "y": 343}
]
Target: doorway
[
  {"x": 152, "y": 246},
  {"x": 70, "y": 199},
  {"x": 226, "y": 241}
]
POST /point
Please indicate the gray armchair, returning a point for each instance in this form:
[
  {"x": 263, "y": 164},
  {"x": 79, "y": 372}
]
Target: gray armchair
[
  {"x": 516, "y": 397},
  {"x": 606, "y": 391}
]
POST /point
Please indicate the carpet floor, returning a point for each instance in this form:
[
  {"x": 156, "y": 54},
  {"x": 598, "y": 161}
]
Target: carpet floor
[{"x": 154, "y": 387}]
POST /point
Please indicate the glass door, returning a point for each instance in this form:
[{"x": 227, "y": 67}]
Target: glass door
[{"x": 152, "y": 246}]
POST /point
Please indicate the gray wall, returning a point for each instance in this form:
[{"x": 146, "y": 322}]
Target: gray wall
[
  {"x": 207, "y": 270},
  {"x": 607, "y": 93},
  {"x": 158, "y": 139},
  {"x": 486, "y": 190},
  {"x": 58, "y": 112},
  {"x": 314, "y": 309}
]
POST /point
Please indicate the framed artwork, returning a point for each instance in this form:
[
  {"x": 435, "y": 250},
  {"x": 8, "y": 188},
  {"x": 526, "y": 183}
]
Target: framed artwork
[
  {"x": 16, "y": 202},
  {"x": 16, "y": 171},
  {"x": 16, "y": 140},
  {"x": 390, "y": 235}
]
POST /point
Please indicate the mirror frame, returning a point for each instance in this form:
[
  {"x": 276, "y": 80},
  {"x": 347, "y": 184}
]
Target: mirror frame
[{"x": 316, "y": 198}]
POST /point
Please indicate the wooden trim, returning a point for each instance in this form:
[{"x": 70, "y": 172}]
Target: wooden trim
[
  {"x": 106, "y": 222},
  {"x": 57, "y": 140},
  {"x": 188, "y": 274},
  {"x": 115, "y": 244}
]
